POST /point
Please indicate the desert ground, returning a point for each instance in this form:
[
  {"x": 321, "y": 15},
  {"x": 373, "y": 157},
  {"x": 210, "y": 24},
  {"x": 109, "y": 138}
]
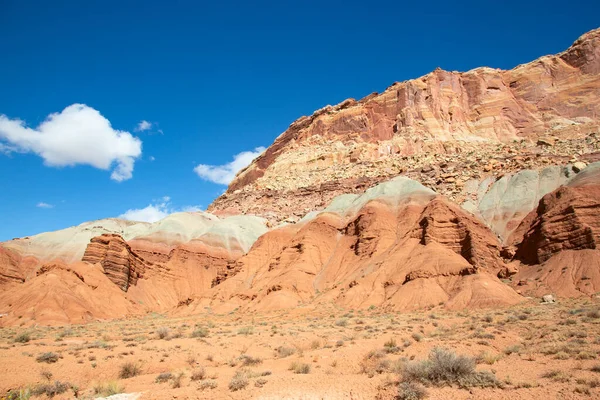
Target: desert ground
[{"x": 530, "y": 351}]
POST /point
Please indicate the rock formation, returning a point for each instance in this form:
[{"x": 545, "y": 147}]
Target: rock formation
[
  {"x": 442, "y": 129},
  {"x": 161, "y": 266},
  {"x": 424, "y": 195},
  {"x": 398, "y": 246},
  {"x": 557, "y": 243},
  {"x": 121, "y": 265}
]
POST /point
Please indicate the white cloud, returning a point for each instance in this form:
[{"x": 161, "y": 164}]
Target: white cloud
[
  {"x": 143, "y": 126},
  {"x": 224, "y": 174},
  {"x": 156, "y": 211},
  {"x": 151, "y": 213},
  {"x": 79, "y": 135},
  {"x": 41, "y": 204},
  {"x": 151, "y": 158}
]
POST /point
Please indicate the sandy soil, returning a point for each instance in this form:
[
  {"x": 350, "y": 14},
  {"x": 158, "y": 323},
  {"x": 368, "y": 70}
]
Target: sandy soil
[{"x": 534, "y": 350}]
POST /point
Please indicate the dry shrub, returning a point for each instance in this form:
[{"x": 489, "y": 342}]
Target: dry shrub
[
  {"x": 375, "y": 362},
  {"x": 238, "y": 382},
  {"x": 444, "y": 367},
  {"x": 411, "y": 391},
  {"x": 129, "y": 370},
  {"x": 300, "y": 368}
]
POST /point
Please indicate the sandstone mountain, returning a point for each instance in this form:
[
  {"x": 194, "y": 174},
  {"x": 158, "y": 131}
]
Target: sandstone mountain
[
  {"x": 464, "y": 190},
  {"x": 447, "y": 130}
]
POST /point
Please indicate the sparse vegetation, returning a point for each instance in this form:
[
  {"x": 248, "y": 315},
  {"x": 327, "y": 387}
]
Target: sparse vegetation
[
  {"x": 162, "y": 333},
  {"x": 299, "y": 367},
  {"x": 249, "y": 360},
  {"x": 284, "y": 351},
  {"x": 107, "y": 389},
  {"x": 411, "y": 391},
  {"x": 248, "y": 330},
  {"x": 163, "y": 377},
  {"x": 198, "y": 374},
  {"x": 23, "y": 337},
  {"x": 200, "y": 332},
  {"x": 51, "y": 389},
  {"x": 374, "y": 362},
  {"x": 48, "y": 358},
  {"x": 444, "y": 367},
  {"x": 208, "y": 384},
  {"x": 19, "y": 394},
  {"x": 559, "y": 353},
  {"x": 239, "y": 381},
  {"x": 129, "y": 370}
]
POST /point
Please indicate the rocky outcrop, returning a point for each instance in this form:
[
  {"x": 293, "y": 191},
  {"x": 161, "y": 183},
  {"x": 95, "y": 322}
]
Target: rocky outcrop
[
  {"x": 443, "y": 130},
  {"x": 566, "y": 219},
  {"x": 397, "y": 246},
  {"x": 9, "y": 267},
  {"x": 61, "y": 294},
  {"x": 121, "y": 265},
  {"x": 452, "y": 228}
]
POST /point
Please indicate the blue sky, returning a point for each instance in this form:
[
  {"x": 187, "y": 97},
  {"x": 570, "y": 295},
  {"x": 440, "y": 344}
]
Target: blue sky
[{"x": 212, "y": 80}]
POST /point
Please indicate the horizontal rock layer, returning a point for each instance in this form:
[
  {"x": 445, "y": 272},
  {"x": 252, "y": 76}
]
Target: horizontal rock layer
[{"x": 121, "y": 265}]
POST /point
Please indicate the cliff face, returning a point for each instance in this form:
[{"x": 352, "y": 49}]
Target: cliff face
[
  {"x": 121, "y": 265},
  {"x": 462, "y": 126}
]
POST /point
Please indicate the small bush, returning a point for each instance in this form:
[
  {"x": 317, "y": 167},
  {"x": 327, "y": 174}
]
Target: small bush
[
  {"x": 162, "y": 333},
  {"x": 47, "y": 375},
  {"x": 23, "y": 337},
  {"x": 341, "y": 322},
  {"x": 19, "y": 394},
  {"x": 593, "y": 314},
  {"x": 247, "y": 330},
  {"x": 444, "y": 367},
  {"x": 300, "y": 368},
  {"x": 48, "y": 358},
  {"x": 200, "y": 332},
  {"x": 249, "y": 360},
  {"x": 283, "y": 351},
  {"x": 595, "y": 368},
  {"x": 260, "y": 382},
  {"x": 238, "y": 382},
  {"x": 557, "y": 376},
  {"x": 411, "y": 391},
  {"x": 514, "y": 349},
  {"x": 374, "y": 362},
  {"x": 163, "y": 377},
  {"x": 417, "y": 337},
  {"x": 208, "y": 384},
  {"x": 51, "y": 389},
  {"x": 129, "y": 370},
  {"x": 198, "y": 374},
  {"x": 487, "y": 358},
  {"x": 177, "y": 380},
  {"x": 107, "y": 389}
]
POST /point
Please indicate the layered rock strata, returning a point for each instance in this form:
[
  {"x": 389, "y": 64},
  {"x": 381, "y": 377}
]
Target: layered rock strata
[{"x": 443, "y": 130}]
